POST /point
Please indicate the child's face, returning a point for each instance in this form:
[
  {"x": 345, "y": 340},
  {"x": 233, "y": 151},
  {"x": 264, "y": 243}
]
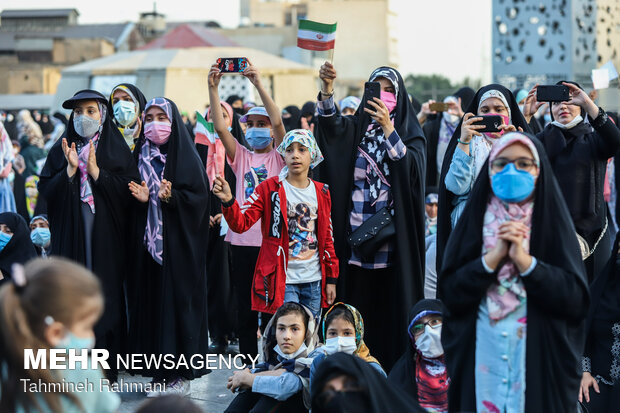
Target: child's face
[
  {"x": 290, "y": 332},
  {"x": 39, "y": 223},
  {"x": 340, "y": 327},
  {"x": 297, "y": 158},
  {"x": 431, "y": 210},
  {"x": 258, "y": 121}
]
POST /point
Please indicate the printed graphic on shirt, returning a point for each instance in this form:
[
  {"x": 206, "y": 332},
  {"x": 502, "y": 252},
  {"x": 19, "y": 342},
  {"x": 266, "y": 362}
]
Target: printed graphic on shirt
[
  {"x": 253, "y": 178},
  {"x": 303, "y": 243}
]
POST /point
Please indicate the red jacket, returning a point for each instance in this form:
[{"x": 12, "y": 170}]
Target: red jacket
[{"x": 269, "y": 280}]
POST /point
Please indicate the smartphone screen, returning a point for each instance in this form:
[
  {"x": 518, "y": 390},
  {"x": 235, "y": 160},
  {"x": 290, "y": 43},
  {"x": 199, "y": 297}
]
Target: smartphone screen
[
  {"x": 232, "y": 64},
  {"x": 439, "y": 107}
]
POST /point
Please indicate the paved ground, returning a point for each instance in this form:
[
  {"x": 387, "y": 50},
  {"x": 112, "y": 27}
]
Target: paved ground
[{"x": 209, "y": 392}]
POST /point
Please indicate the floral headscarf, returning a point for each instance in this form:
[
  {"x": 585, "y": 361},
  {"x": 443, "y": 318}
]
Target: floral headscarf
[
  {"x": 31, "y": 201},
  {"x": 303, "y": 137},
  {"x": 362, "y": 351}
]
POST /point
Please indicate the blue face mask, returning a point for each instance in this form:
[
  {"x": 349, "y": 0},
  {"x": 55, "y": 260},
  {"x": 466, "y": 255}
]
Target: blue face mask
[
  {"x": 4, "y": 239},
  {"x": 258, "y": 138},
  {"x": 125, "y": 112},
  {"x": 41, "y": 237},
  {"x": 512, "y": 185},
  {"x": 71, "y": 341}
]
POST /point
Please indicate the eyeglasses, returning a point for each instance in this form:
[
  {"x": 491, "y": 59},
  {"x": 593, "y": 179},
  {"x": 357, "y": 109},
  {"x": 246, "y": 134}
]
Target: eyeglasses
[
  {"x": 522, "y": 164},
  {"x": 419, "y": 328}
]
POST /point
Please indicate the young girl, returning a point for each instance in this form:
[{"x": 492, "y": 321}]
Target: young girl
[
  {"x": 281, "y": 382},
  {"x": 127, "y": 104},
  {"x": 50, "y": 304},
  {"x": 515, "y": 289},
  {"x": 291, "y": 266},
  {"x": 264, "y": 129},
  {"x": 40, "y": 235},
  {"x": 343, "y": 331}
]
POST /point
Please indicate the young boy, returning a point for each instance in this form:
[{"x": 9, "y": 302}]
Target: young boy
[
  {"x": 297, "y": 261},
  {"x": 264, "y": 128}
]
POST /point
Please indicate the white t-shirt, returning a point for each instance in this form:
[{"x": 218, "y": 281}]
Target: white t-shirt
[{"x": 304, "y": 265}]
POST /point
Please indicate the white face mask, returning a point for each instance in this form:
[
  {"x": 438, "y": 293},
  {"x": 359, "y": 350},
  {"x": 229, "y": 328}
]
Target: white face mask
[
  {"x": 278, "y": 350},
  {"x": 450, "y": 118},
  {"x": 340, "y": 345},
  {"x": 429, "y": 343},
  {"x": 570, "y": 124}
]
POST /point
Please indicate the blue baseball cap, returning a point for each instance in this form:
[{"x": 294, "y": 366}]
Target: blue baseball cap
[{"x": 256, "y": 110}]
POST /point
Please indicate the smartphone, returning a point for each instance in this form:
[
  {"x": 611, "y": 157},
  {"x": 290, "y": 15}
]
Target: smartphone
[
  {"x": 371, "y": 90},
  {"x": 439, "y": 107},
  {"x": 552, "y": 93},
  {"x": 491, "y": 123},
  {"x": 232, "y": 64}
]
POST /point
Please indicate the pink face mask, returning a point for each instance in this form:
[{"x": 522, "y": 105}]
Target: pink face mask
[
  {"x": 496, "y": 135},
  {"x": 157, "y": 132},
  {"x": 389, "y": 99}
]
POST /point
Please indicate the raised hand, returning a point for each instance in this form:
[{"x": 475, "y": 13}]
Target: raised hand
[
  {"x": 580, "y": 98},
  {"x": 468, "y": 129},
  {"x": 140, "y": 192},
  {"x": 252, "y": 73},
  {"x": 214, "y": 76},
  {"x": 531, "y": 105},
  {"x": 71, "y": 156},
  {"x": 327, "y": 74},
  {"x": 92, "y": 167},
  {"x": 221, "y": 189}
]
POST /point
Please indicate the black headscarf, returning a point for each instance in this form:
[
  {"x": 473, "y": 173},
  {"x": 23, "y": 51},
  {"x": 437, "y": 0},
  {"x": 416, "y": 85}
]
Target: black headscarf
[
  {"x": 20, "y": 248},
  {"x": 467, "y": 95},
  {"x": 61, "y": 118},
  {"x": 292, "y": 122},
  {"x": 444, "y": 225},
  {"x": 308, "y": 109},
  {"x": 403, "y": 374},
  {"x": 186, "y": 227},
  {"x": 378, "y": 395},
  {"x": 557, "y": 298}
]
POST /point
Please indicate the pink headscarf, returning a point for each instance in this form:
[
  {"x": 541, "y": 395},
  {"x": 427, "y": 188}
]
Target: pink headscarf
[
  {"x": 216, "y": 157},
  {"x": 508, "y": 293}
]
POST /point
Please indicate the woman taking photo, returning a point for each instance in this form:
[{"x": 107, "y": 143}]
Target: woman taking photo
[
  {"x": 375, "y": 164},
  {"x": 579, "y": 141},
  {"x": 515, "y": 290}
]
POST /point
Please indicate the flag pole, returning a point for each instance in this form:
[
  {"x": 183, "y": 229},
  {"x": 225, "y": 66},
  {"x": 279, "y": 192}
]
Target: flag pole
[{"x": 331, "y": 55}]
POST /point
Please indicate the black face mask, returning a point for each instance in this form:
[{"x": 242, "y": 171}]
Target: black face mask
[{"x": 346, "y": 402}]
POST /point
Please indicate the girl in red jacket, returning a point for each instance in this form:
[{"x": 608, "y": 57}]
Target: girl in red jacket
[{"x": 297, "y": 261}]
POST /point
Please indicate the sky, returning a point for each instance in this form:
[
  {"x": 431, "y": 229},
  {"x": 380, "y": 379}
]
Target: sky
[{"x": 447, "y": 37}]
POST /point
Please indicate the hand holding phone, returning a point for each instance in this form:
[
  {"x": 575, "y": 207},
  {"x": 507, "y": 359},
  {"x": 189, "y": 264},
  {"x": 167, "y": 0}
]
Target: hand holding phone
[{"x": 232, "y": 64}]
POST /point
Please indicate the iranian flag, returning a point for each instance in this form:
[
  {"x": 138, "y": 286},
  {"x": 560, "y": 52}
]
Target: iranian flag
[
  {"x": 316, "y": 36},
  {"x": 205, "y": 132}
]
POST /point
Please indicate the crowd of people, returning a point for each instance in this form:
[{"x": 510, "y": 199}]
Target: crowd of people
[{"x": 478, "y": 268}]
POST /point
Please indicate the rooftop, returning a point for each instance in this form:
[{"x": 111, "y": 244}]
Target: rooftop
[
  {"x": 189, "y": 35},
  {"x": 33, "y": 13}
]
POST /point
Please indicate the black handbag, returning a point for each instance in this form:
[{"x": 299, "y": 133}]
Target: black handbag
[{"x": 373, "y": 233}]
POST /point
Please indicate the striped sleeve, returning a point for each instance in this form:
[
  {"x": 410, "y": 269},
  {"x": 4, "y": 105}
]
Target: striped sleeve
[
  {"x": 326, "y": 107},
  {"x": 395, "y": 147}
]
